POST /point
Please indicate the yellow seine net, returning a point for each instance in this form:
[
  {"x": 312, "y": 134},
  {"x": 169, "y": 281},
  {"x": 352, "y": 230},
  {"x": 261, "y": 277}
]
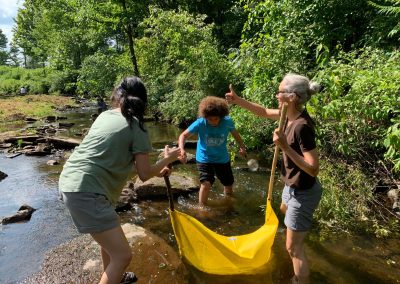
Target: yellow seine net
[
  {"x": 226, "y": 255},
  {"x": 217, "y": 254}
]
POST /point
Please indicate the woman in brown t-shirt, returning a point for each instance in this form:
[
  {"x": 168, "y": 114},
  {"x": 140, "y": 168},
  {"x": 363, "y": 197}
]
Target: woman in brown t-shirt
[{"x": 302, "y": 191}]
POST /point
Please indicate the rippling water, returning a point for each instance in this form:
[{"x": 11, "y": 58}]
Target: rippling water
[
  {"x": 31, "y": 181},
  {"x": 22, "y": 245}
]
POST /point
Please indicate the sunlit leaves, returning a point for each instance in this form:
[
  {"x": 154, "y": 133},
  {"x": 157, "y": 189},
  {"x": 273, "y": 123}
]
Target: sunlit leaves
[
  {"x": 358, "y": 109},
  {"x": 179, "y": 58}
]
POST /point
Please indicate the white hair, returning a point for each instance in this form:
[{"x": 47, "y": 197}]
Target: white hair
[{"x": 301, "y": 85}]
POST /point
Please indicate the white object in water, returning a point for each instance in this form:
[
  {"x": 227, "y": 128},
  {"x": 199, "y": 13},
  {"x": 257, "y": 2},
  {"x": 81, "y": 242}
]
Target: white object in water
[{"x": 252, "y": 164}]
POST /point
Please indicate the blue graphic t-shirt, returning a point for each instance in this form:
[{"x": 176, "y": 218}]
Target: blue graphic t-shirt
[{"x": 212, "y": 140}]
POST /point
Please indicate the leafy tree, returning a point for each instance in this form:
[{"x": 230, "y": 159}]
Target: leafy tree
[
  {"x": 295, "y": 36},
  {"x": 24, "y": 33},
  {"x": 359, "y": 109},
  {"x": 14, "y": 59},
  {"x": 227, "y": 16},
  {"x": 180, "y": 62},
  {"x": 3, "y": 46},
  {"x": 97, "y": 75},
  {"x": 390, "y": 10}
]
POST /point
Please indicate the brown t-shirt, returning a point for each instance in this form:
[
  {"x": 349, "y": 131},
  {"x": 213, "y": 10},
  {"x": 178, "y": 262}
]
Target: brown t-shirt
[{"x": 301, "y": 137}]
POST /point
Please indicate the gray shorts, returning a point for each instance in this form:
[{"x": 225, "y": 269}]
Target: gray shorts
[
  {"x": 301, "y": 205},
  {"x": 91, "y": 212}
]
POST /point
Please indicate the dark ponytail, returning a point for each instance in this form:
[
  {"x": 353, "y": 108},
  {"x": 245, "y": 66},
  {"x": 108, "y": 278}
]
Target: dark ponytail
[{"x": 131, "y": 96}]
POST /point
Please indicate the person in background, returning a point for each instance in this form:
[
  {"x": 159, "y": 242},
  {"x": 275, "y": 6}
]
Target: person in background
[
  {"x": 101, "y": 105},
  {"x": 93, "y": 177},
  {"x": 23, "y": 91},
  {"x": 212, "y": 158},
  {"x": 302, "y": 191}
]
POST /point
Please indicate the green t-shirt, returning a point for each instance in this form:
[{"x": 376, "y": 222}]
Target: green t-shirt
[{"x": 103, "y": 162}]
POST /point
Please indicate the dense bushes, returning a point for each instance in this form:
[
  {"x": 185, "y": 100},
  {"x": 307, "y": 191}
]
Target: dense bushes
[
  {"x": 179, "y": 60},
  {"x": 349, "y": 204},
  {"x": 360, "y": 107},
  {"x": 37, "y": 81}
]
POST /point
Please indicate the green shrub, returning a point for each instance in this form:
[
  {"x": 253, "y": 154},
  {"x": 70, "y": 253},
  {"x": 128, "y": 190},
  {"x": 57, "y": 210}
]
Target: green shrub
[
  {"x": 360, "y": 105},
  {"x": 97, "y": 75},
  {"x": 63, "y": 82},
  {"x": 180, "y": 63},
  {"x": 9, "y": 86},
  {"x": 348, "y": 203}
]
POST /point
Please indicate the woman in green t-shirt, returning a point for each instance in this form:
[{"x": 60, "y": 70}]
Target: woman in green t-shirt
[{"x": 95, "y": 174}]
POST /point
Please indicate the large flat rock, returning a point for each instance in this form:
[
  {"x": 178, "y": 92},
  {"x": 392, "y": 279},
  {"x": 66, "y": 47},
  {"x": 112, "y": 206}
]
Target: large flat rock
[{"x": 79, "y": 261}]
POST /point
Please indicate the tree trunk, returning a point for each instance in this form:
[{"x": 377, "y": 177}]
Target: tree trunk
[{"x": 129, "y": 34}]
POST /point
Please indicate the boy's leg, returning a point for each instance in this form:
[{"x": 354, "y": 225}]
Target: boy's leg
[
  {"x": 206, "y": 176},
  {"x": 228, "y": 190},
  {"x": 204, "y": 191},
  {"x": 225, "y": 175}
]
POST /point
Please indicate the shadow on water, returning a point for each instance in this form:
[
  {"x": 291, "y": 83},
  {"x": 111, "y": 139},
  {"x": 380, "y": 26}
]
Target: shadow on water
[{"x": 30, "y": 180}]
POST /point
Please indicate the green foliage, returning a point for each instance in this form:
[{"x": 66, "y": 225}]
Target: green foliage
[
  {"x": 392, "y": 144},
  {"x": 36, "y": 81},
  {"x": 348, "y": 204},
  {"x": 359, "y": 105},
  {"x": 63, "y": 82},
  {"x": 97, "y": 75},
  {"x": 9, "y": 86},
  {"x": 181, "y": 105},
  {"x": 390, "y": 10},
  {"x": 3, "y": 46},
  {"x": 180, "y": 63}
]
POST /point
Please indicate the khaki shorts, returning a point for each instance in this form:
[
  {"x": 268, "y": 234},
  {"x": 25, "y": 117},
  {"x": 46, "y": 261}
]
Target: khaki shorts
[{"x": 90, "y": 212}]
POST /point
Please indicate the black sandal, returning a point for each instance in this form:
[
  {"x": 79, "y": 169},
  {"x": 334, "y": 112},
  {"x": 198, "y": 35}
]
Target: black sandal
[{"x": 128, "y": 277}]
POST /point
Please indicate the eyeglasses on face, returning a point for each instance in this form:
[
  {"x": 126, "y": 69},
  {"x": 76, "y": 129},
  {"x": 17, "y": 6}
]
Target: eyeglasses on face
[{"x": 286, "y": 94}]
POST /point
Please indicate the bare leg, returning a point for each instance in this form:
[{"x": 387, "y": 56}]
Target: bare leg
[
  {"x": 106, "y": 258},
  {"x": 283, "y": 208},
  {"x": 228, "y": 190},
  {"x": 295, "y": 247},
  {"x": 115, "y": 245},
  {"x": 204, "y": 191}
]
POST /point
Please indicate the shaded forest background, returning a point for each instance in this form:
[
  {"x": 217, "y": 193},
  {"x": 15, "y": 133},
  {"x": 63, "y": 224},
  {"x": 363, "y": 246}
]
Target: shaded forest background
[{"x": 185, "y": 50}]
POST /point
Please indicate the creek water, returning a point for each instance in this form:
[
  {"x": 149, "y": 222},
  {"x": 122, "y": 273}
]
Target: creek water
[{"x": 30, "y": 180}]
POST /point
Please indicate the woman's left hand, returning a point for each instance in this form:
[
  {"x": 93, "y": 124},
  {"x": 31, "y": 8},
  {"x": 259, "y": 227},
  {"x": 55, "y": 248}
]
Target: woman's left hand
[
  {"x": 172, "y": 153},
  {"x": 280, "y": 140}
]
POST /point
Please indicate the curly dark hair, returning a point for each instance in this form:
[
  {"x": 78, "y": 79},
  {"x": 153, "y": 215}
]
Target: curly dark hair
[{"x": 213, "y": 106}]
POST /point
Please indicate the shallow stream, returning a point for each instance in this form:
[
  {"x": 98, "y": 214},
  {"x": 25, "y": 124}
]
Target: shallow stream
[{"x": 30, "y": 180}]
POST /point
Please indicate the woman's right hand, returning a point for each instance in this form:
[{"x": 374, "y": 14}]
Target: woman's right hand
[{"x": 231, "y": 97}]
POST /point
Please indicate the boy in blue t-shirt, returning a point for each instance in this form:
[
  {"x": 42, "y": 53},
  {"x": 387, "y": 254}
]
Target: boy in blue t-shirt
[{"x": 212, "y": 127}]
